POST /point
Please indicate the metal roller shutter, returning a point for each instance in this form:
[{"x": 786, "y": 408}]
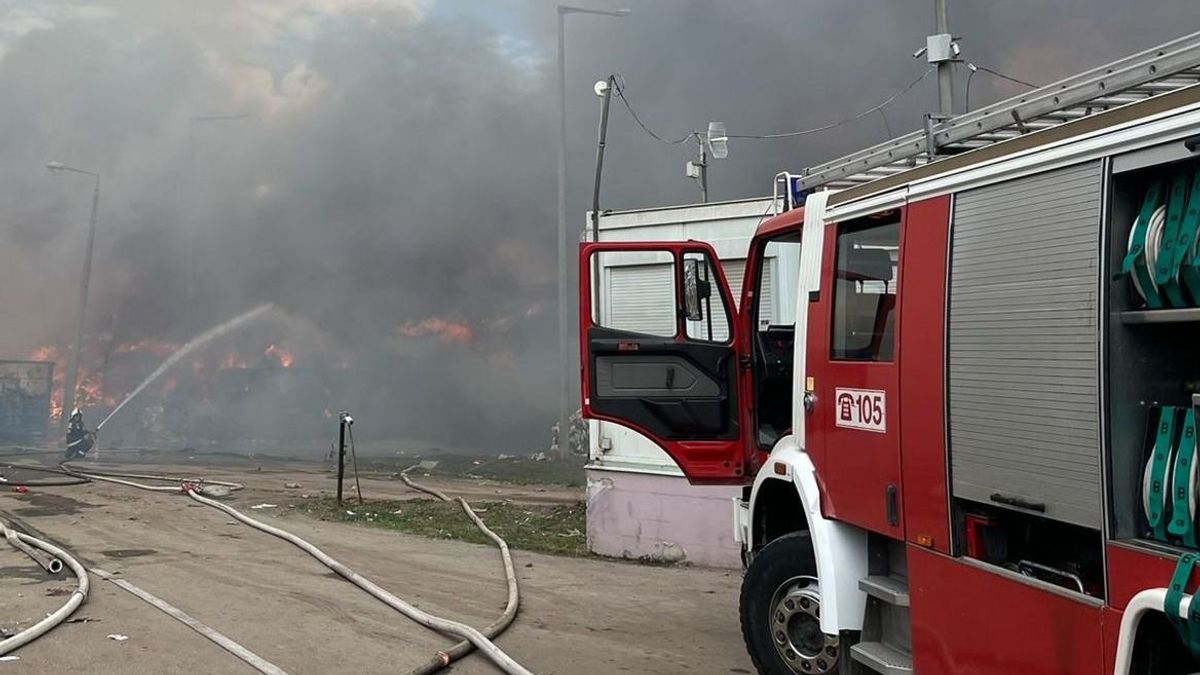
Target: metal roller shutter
[
  {"x": 641, "y": 298},
  {"x": 1024, "y": 343},
  {"x": 735, "y": 273}
]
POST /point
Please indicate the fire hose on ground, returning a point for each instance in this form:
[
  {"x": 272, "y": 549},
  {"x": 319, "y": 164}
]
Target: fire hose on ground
[
  {"x": 445, "y": 658},
  {"x": 471, "y": 636},
  {"x": 58, "y": 616}
]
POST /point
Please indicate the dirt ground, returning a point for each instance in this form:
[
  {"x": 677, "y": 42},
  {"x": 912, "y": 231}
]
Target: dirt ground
[{"x": 578, "y": 615}]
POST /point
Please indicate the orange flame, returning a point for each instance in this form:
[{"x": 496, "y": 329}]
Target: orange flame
[
  {"x": 285, "y": 357},
  {"x": 156, "y": 347},
  {"x": 445, "y": 330}
]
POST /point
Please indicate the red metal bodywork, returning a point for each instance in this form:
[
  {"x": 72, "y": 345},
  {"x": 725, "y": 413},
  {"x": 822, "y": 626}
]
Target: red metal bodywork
[
  {"x": 969, "y": 621},
  {"x": 923, "y": 372},
  {"x": 856, "y": 467},
  {"x": 704, "y": 462}
]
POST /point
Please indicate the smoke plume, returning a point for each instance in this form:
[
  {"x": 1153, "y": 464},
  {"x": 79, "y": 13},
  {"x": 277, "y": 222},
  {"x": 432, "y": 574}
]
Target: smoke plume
[{"x": 387, "y": 179}]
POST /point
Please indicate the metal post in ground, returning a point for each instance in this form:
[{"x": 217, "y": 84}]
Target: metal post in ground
[{"x": 341, "y": 453}]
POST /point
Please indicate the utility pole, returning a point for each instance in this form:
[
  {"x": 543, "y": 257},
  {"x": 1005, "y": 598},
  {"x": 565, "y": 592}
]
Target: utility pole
[
  {"x": 85, "y": 282},
  {"x": 565, "y": 258},
  {"x": 945, "y": 65},
  {"x": 603, "y": 89},
  {"x": 698, "y": 168}
]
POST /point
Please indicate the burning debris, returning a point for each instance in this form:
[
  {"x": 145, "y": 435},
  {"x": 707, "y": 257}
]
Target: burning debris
[{"x": 445, "y": 330}]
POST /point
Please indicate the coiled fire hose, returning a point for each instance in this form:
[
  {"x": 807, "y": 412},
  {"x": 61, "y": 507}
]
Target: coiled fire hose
[
  {"x": 1163, "y": 254},
  {"x": 1172, "y": 477},
  {"x": 194, "y": 489},
  {"x": 78, "y": 596},
  {"x": 461, "y": 649}
]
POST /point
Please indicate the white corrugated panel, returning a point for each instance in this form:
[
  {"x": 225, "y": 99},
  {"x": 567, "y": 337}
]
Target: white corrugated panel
[
  {"x": 735, "y": 272},
  {"x": 641, "y": 298},
  {"x": 766, "y": 290}
]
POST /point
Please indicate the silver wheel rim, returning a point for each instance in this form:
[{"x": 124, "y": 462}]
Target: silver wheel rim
[{"x": 795, "y": 628}]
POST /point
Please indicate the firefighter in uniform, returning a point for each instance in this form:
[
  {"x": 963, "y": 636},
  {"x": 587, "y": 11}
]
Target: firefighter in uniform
[{"x": 79, "y": 439}]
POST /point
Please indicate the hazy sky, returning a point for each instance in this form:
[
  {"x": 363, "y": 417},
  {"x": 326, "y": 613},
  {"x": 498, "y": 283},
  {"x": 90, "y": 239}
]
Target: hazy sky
[{"x": 395, "y": 181}]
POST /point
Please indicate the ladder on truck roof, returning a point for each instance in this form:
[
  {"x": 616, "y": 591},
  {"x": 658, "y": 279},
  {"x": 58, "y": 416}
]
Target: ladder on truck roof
[{"x": 1166, "y": 68}]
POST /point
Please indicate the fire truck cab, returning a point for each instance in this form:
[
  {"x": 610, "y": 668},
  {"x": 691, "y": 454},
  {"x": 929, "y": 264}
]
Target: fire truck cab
[{"x": 971, "y": 447}]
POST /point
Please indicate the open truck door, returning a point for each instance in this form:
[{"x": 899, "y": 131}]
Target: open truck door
[{"x": 662, "y": 353}]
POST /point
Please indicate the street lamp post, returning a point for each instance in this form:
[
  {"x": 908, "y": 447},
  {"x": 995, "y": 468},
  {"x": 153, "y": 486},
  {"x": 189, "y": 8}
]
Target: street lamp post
[
  {"x": 564, "y": 241},
  {"x": 81, "y": 313}
]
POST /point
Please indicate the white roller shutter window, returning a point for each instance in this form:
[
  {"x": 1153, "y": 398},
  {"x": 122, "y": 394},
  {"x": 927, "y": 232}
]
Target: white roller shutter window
[
  {"x": 767, "y": 311},
  {"x": 641, "y": 299},
  {"x": 735, "y": 272}
]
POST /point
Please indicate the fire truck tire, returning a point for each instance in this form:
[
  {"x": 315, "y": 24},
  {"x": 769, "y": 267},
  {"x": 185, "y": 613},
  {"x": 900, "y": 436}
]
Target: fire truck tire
[{"x": 780, "y": 611}]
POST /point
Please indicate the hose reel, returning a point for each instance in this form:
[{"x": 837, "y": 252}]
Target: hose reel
[
  {"x": 1171, "y": 478},
  {"x": 1163, "y": 254}
]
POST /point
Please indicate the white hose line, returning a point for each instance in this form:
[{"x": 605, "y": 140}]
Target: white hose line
[
  {"x": 52, "y": 565},
  {"x": 253, "y": 660},
  {"x": 1151, "y": 249},
  {"x": 445, "y": 626},
  {"x": 58, "y": 616},
  {"x": 502, "y": 660},
  {"x": 458, "y": 650},
  {"x": 116, "y": 477}
]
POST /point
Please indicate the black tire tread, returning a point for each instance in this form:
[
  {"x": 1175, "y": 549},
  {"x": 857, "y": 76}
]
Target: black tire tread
[{"x": 793, "y": 553}]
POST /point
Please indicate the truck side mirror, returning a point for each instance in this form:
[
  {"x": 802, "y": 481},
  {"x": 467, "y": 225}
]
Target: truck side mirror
[{"x": 695, "y": 290}]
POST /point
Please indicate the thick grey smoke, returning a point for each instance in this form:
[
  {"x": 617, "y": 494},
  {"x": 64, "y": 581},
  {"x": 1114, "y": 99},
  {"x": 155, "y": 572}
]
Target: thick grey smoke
[{"x": 393, "y": 187}]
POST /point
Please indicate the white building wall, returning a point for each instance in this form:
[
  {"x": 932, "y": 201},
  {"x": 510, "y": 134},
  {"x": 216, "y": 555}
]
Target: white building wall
[{"x": 639, "y": 504}]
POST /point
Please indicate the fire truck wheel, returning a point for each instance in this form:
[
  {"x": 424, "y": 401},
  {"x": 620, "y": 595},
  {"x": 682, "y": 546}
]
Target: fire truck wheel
[{"x": 781, "y": 610}]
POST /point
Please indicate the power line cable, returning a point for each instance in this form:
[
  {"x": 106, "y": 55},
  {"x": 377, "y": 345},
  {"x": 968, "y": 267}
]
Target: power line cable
[
  {"x": 974, "y": 67},
  {"x": 834, "y": 125},
  {"x": 620, "y": 89},
  {"x": 619, "y": 85}
]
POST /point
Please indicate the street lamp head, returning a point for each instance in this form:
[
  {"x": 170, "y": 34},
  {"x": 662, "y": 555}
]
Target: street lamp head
[
  {"x": 600, "y": 88},
  {"x": 55, "y": 167},
  {"x": 568, "y": 9}
]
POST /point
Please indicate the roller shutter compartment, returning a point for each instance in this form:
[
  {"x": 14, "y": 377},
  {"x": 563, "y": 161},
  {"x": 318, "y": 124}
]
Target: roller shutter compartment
[
  {"x": 641, "y": 299},
  {"x": 1024, "y": 345}
]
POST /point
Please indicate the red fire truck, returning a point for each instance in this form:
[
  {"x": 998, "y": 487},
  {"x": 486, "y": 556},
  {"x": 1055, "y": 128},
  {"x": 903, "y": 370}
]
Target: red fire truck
[{"x": 971, "y": 449}]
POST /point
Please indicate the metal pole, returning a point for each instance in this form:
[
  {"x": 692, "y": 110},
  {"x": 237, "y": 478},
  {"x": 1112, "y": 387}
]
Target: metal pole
[
  {"x": 945, "y": 68},
  {"x": 603, "y": 135},
  {"x": 564, "y": 255},
  {"x": 80, "y": 315},
  {"x": 341, "y": 455},
  {"x": 190, "y": 229},
  {"x": 703, "y": 170}
]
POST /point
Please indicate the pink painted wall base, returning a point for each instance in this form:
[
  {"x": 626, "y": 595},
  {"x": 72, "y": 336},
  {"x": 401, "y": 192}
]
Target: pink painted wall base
[{"x": 660, "y": 518}]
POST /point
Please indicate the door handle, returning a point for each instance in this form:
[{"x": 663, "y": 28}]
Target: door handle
[
  {"x": 670, "y": 377},
  {"x": 1018, "y": 502},
  {"x": 810, "y": 401}
]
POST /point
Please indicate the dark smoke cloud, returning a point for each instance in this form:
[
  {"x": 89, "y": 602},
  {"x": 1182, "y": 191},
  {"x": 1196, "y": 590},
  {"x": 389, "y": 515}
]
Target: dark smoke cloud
[{"x": 399, "y": 162}]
